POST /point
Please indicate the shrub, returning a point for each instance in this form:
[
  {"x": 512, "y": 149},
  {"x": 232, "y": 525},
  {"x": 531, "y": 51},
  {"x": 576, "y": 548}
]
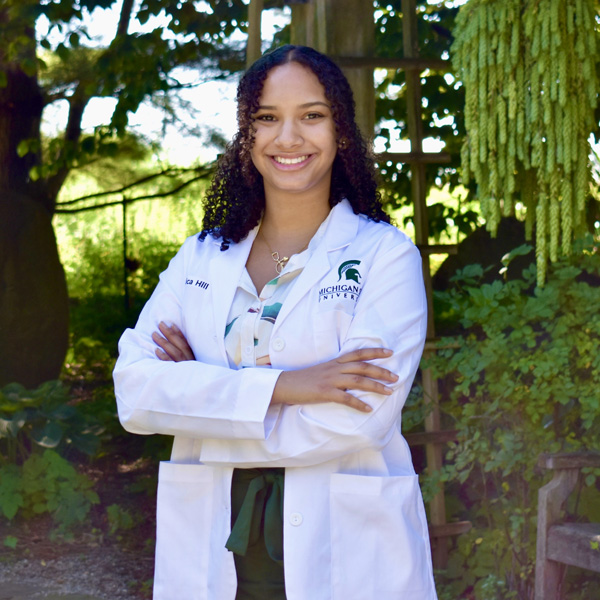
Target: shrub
[
  {"x": 42, "y": 418},
  {"x": 522, "y": 379},
  {"x": 46, "y": 483}
]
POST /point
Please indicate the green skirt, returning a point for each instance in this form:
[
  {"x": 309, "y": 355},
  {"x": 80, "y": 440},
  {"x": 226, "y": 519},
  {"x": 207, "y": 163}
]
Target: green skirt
[{"x": 257, "y": 533}]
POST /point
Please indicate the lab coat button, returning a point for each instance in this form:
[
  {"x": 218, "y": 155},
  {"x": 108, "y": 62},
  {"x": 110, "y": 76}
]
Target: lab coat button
[
  {"x": 296, "y": 519},
  {"x": 278, "y": 344},
  {"x": 248, "y": 350}
]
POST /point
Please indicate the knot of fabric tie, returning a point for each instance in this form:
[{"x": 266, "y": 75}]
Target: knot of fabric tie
[{"x": 262, "y": 506}]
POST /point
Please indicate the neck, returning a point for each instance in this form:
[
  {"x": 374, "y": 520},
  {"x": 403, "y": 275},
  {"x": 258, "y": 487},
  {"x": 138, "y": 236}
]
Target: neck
[{"x": 293, "y": 220}]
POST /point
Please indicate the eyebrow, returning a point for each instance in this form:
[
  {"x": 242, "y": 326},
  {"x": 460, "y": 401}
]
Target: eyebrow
[{"x": 305, "y": 105}]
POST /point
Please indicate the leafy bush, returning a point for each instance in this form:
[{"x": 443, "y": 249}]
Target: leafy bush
[
  {"x": 521, "y": 380},
  {"x": 46, "y": 483},
  {"x": 119, "y": 519},
  {"x": 42, "y": 418},
  {"x": 34, "y": 478}
]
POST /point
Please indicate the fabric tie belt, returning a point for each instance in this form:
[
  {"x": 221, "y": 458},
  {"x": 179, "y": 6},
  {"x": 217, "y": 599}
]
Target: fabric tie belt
[{"x": 262, "y": 506}]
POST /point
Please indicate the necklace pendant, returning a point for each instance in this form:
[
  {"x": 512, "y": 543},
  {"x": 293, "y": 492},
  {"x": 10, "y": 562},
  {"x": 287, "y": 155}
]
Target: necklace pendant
[{"x": 279, "y": 262}]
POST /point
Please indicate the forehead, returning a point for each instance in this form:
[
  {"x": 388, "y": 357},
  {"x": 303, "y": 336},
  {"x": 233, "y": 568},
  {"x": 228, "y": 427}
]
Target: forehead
[{"x": 291, "y": 82}]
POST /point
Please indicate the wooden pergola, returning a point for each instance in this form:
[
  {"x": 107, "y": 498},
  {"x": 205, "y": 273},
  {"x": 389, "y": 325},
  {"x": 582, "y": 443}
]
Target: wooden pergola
[{"x": 350, "y": 41}]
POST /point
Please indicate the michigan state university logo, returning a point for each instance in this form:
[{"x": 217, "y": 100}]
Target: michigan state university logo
[
  {"x": 344, "y": 289},
  {"x": 348, "y": 269}
]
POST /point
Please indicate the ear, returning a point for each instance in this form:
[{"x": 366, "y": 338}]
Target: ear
[{"x": 343, "y": 143}]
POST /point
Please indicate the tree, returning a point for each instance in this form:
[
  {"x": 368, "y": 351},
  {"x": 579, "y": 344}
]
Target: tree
[{"x": 37, "y": 70}]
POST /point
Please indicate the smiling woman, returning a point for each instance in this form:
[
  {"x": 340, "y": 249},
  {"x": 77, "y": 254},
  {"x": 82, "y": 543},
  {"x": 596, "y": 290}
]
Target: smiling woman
[
  {"x": 295, "y": 140},
  {"x": 279, "y": 348}
]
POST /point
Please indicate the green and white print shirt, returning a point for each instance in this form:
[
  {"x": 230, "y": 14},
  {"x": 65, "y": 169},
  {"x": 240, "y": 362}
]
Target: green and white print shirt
[{"x": 252, "y": 316}]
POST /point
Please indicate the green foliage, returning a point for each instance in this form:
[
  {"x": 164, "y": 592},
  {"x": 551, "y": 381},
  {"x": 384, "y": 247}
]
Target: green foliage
[
  {"x": 10, "y": 541},
  {"x": 42, "y": 418},
  {"x": 46, "y": 483},
  {"x": 521, "y": 380},
  {"x": 92, "y": 252},
  {"x": 119, "y": 519}
]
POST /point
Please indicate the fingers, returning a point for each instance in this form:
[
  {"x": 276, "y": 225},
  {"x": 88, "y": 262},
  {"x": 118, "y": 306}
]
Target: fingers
[
  {"x": 357, "y": 375},
  {"x": 337, "y": 381},
  {"x": 353, "y": 402},
  {"x": 364, "y": 354},
  {"x": 355, "y": 363},
  {"x": 173, "y": 346},
  {"x": 368, "y": 370},
  {"x": 162, "y": 355}
]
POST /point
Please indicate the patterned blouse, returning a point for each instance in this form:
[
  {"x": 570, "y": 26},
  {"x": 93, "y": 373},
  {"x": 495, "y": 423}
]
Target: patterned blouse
[{"x": 252, "y": 315}]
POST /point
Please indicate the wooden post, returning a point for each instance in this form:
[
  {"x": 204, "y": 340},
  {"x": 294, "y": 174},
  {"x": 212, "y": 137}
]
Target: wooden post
[
  {"x": 302, "y": 31},
  {"x": 253, "y": 48},
  {"x": 418, "y": 188},
  {"x": 341, "y": 28},
  {"x": 551, "y": 497}
]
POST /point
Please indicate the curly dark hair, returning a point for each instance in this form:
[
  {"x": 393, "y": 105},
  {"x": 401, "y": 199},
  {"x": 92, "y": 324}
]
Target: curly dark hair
[{"x": 236, "y": 199}]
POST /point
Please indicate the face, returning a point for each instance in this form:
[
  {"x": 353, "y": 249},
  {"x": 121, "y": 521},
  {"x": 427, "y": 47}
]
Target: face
[{"x": 295, "y": 141}]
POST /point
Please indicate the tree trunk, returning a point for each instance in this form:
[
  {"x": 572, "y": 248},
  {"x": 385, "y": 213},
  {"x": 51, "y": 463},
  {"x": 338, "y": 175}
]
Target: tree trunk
[
  {"x": 34, "y": 316},
  {"x": 33, "y": 291}
]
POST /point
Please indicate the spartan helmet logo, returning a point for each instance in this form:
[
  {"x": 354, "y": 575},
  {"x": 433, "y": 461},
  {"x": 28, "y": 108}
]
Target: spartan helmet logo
[{"x": 348, "y": 268}]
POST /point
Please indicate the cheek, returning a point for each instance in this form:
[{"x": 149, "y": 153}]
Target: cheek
[
  {"x": 258, "y": 159},
  {"x": 254, "y": 156}
]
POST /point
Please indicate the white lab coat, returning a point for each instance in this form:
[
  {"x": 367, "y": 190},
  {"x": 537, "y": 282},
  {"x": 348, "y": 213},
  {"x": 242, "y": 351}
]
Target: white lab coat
[{"x": 354, "y": 522}]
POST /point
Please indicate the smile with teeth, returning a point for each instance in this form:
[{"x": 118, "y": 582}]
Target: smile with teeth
[{"x": 290, "y": 161}]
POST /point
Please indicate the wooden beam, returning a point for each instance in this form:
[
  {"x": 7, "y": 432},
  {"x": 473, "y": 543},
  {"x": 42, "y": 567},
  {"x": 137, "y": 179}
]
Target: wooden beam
[
  {"x": 437, "y": 505},
  {"x": 253, "y": 47},
  {"x": 449, "y": 529},
  {"x": 579, "y": 540},
  {"x": 421, "y": 438},
  {"x": 569, "y": 460},
  {"x": 439, "y": 249},
  {"x": 551, "y": 497},
  {"x": 414, "y": 157},
  {"x": 394, "y": 63}
]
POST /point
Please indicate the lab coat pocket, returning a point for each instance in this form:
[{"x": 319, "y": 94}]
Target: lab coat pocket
[
  {"x": 379, "y": 539},
  {"x": 184, "y": 509},
  {"x": 330, "y": 329}
]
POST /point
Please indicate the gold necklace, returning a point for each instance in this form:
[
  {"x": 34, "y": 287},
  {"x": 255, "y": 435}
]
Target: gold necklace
[{"x": 279, "y": 262}]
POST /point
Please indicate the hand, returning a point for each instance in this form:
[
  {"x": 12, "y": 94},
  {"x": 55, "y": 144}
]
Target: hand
[
  {"x": 173, "y": 346},
  {"x": 329, "y": 381}
]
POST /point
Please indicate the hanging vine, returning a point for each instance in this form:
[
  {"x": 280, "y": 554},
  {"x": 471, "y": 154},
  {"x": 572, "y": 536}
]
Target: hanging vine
[{"x": 529, "y": 71}]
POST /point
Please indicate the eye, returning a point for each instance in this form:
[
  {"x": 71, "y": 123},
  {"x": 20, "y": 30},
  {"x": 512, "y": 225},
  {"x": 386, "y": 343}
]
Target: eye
[
  {"x": 313, "y": 115},
  {"x": 265, "y": 118}
]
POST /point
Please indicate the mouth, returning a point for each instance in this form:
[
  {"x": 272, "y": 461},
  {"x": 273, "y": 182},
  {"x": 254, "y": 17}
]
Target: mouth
[{"x": 296, "y": 160}]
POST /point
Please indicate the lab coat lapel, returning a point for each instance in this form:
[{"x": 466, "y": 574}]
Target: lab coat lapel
[
  {"x": 225, "y": 271},
  {"x": 340, "y": 232}
]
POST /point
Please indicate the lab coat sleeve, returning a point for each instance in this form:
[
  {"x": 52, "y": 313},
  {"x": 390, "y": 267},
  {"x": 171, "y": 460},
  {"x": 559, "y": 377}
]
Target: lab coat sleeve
[
  {"x": 390, "y": 313},
  {"x": 191, "y": 398}
]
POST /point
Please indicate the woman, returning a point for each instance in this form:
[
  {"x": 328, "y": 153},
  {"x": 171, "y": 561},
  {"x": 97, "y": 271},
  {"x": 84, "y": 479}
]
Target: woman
[{"x": 290, "y": 333}]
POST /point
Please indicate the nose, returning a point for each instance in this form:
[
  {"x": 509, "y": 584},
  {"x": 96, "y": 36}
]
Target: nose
[{"x": 289, "y": 135}]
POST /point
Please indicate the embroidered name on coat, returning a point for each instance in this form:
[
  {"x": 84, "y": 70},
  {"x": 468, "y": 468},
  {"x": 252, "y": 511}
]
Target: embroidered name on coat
[{"x": 197, "y": 282}]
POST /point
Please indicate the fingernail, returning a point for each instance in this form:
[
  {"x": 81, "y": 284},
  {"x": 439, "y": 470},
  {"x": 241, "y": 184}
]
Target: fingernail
[
  {"x": 388, "y": 351},
  {"x": 367, "y": 408}
]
